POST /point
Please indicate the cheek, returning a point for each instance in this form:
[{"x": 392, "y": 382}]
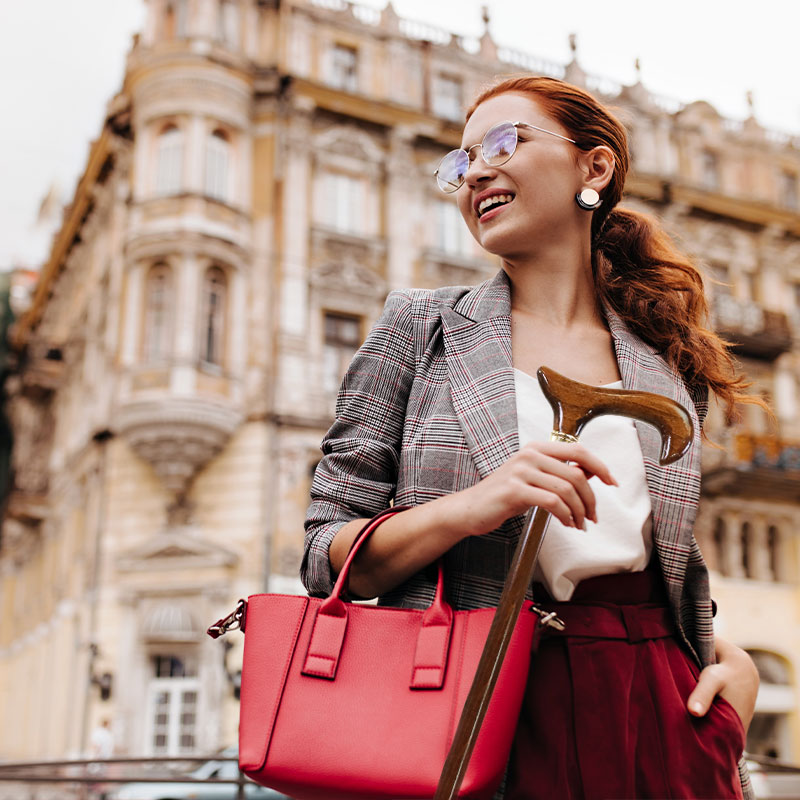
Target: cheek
[{"x": 464, "y": 208}]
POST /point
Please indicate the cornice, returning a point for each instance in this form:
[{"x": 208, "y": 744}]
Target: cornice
[
  {"x": 101, "y": 151},
  {"x": 735, "y": 209}
]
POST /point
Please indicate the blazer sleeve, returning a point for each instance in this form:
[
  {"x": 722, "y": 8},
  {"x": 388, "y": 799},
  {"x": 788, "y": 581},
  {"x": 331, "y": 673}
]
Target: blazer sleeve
[{"x": 357, "y": 475}]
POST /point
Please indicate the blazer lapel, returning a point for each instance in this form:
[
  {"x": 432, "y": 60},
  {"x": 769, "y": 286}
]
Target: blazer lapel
[
  {"x": 477, "y": 344},
  {"x": 675, "y": 488}
]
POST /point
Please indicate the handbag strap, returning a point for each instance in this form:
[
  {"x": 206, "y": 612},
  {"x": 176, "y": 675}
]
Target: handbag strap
[
  {"x": 330, "y": 624},
  {"x": 340, "y": 588}
]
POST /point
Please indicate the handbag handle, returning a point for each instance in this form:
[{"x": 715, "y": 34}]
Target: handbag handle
[{"x": 330, "y": 625}]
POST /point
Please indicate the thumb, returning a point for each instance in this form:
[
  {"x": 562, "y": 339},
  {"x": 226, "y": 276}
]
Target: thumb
[{"x": 701, "y": 698}]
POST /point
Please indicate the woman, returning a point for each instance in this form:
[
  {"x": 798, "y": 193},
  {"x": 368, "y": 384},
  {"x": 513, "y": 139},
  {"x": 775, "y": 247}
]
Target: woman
[{"x": 440, "y": 411}]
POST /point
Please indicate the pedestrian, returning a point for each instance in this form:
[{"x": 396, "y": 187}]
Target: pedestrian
[{"x": 440, "y": 410}]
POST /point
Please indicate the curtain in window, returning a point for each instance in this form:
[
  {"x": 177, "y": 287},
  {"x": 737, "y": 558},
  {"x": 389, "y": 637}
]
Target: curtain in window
[
  {"x": 217, "y": 179},
  {"x": 213, "y": 316},
  {"x": 169, "y": 162},
  {"x": 159, "y": 303}
]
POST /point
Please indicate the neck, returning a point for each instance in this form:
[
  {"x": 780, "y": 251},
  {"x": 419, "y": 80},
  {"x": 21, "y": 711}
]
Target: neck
[{"x": 555, "y": 284}]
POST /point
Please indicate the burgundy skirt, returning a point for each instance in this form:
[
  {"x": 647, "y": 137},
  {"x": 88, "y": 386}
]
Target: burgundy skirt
[{"x": 604, "y": 715}]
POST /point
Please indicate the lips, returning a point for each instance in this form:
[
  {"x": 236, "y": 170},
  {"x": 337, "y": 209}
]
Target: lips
[{"x": 491, "y": 200}]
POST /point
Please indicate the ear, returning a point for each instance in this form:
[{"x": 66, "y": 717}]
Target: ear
[{"x": 596, "y": 167}]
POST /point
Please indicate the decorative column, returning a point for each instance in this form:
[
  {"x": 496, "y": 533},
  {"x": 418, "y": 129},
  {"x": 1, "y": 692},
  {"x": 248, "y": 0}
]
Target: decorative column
[
  {"x": 758, "y": 557},
  {"x": 402, "y": 199},
  {"x": 133, "y": 314},
  {"x": 732, "y": 554}
]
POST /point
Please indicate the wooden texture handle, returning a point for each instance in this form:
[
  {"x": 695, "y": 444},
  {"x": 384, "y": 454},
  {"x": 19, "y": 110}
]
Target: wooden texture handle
[{"x": 574, "y": 405}]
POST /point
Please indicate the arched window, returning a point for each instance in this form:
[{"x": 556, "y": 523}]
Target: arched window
[
  {"x": 175, "y": 20},
  {"x": 159, "y": 304},
  {"x": 217, "y": 179},
  {"x": 229, "y": 23},
  {"x": 212, "y": 330},
  {"x": 169, "y": 161},
  {"x": 769, "y": 733}
]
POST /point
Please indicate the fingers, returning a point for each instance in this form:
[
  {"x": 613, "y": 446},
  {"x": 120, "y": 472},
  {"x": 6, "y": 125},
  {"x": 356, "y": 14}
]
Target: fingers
[
  {"x": 709, "y": 684},
  {"x": 578, "y": 454},
  {"x": 563, "y": 470}
]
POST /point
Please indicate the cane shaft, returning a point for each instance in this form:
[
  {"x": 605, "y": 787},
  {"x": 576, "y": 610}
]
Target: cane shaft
[
  {"x": 502, "y": 627},
  {"x": 574, "y": 404}
]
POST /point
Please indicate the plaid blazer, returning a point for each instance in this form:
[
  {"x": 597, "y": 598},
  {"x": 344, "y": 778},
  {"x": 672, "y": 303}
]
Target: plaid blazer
[{"x": 428, "y": 407}]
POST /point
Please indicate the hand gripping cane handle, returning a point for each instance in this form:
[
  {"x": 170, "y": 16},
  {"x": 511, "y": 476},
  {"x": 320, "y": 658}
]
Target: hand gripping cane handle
[{"x": 574, "y": 404}]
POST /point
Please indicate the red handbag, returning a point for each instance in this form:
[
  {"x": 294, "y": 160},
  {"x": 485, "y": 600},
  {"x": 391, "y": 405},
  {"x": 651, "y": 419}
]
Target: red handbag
[{"x": 342, "y": 701}]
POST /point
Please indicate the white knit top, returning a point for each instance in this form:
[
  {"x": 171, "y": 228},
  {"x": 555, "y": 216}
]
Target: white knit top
[{"x": 621, "y": 541}]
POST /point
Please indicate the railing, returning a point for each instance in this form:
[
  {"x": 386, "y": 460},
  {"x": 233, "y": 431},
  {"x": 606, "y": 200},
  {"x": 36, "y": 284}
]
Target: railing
[
  {"x": 766, "y": 451},
  {"x": 94, "y": 778},
  {"x": 752, "y": 330},
  {"x": 83, "y": 779}
]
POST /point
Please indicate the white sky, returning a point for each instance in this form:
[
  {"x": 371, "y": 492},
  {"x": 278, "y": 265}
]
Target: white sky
[{"x": 62, "y": 60}]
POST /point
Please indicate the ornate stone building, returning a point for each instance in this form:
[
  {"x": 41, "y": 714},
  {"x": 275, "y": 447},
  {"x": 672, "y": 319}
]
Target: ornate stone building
[{"x": 262, "y": 180}]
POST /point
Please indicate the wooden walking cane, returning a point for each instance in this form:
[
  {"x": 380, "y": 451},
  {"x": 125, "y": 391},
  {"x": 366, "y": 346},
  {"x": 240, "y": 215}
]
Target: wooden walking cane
[{"x": 574, "y": 404}]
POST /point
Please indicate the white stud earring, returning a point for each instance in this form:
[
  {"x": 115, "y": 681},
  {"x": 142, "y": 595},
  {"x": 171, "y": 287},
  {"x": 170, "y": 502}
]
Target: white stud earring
[{"x": 588, "y": 199}]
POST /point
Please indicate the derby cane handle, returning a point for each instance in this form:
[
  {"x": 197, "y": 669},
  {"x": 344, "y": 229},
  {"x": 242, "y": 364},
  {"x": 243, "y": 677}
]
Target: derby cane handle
[{"x": 574, "y": 404}]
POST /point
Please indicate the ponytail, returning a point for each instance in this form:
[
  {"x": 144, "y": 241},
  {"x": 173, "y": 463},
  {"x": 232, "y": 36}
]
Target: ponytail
[{"x": 658, "y": 292}]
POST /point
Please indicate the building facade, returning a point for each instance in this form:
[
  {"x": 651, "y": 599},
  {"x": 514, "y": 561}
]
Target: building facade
[{"x": 262, "y": 180}]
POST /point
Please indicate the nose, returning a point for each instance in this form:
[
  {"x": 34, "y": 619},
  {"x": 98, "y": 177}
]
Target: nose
[{"x": 478, "y": 170}]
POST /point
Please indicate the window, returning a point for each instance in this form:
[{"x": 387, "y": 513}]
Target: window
[
  {"x": 447, "y": 95},
  {"x": 212, "y": 329},
  {"x": 217, "y": 178},
  {"x": 343, "y": 204},
  {"x": 452, "y": 235},
  {"x": 751, "y": 279},
  {"x": 175, "y": 19},
  {"x": 229, "y": 23},
  {"x": 710, "y": 170},
  {"x": 789, "y": 190},
  {"x": 172, "y": 705},
  {"x": 721, "y": 276},
  {"x": 159, "y": 304},
  {"x": 169, "y": 161},
  {"x": 768, "y": 734},
  {"x": 344, "y": 68},
  {"x": 342, "y": 339}
]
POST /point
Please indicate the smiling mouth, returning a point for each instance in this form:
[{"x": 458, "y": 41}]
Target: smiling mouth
[{"x": 495, "y": 201}]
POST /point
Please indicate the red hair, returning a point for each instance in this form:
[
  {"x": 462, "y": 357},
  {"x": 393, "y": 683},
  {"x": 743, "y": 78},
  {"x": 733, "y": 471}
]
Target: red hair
[{"x": 638, "y": 271}]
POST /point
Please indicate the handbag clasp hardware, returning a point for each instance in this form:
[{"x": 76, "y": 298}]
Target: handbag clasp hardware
[
  {"x": 549, "y": 618},
  {"x": 234, "y": 621}
]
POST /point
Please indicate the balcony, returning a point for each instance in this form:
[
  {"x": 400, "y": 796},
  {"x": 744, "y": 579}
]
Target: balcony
[
  {"x": 178, "y": 436},
  {"x": 754, "y": 332},
  {"x": 763, "y": 467}
]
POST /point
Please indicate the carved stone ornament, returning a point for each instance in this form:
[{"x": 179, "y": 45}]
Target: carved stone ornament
[
  {"x": 348, "y": 278},
  {"x": 177, "y": 436}
]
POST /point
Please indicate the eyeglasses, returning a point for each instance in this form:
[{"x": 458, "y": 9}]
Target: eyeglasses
[{"x": 498, "y": 145}]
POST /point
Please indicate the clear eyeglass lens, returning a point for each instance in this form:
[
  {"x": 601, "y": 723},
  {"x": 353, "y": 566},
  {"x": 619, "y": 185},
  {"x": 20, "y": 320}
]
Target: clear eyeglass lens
[
  {"x": 452, "y": 170},
  {"x": 499, "y": 144}
]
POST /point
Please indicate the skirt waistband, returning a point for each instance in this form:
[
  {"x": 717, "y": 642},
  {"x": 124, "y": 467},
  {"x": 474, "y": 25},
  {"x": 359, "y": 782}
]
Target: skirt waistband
[
  {"x": 634, "y": 623},
  {"x": 632, "y": 606}
]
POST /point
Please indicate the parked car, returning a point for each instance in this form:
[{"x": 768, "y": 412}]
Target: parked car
[{"x": 199, "y": 791}]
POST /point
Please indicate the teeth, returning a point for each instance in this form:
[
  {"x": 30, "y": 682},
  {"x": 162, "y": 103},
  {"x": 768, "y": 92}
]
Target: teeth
[{"x": 494, "y": 200}]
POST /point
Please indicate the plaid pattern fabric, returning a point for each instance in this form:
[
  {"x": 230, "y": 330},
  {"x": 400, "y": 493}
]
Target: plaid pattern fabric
[{"x": 428, "y": 407}]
